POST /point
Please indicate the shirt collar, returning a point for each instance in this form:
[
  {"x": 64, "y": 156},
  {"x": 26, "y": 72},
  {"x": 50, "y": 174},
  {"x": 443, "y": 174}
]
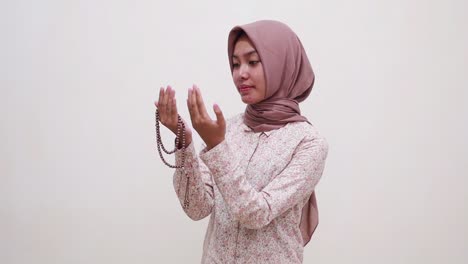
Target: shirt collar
[{"x": 250, "y": 130}]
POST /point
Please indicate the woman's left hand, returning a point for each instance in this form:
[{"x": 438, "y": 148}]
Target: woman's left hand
[{"x": 211, "y": 131}]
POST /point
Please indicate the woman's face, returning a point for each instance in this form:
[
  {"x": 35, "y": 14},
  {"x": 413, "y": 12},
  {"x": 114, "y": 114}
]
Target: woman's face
[{"x": 247, "y": 72}]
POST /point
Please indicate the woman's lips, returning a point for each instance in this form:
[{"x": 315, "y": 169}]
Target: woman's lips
[{"x": 244, "y": 89}]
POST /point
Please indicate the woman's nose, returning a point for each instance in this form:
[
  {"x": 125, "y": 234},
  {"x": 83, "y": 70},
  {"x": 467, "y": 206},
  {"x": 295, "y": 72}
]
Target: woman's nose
[{"x": 244, "y": 71}]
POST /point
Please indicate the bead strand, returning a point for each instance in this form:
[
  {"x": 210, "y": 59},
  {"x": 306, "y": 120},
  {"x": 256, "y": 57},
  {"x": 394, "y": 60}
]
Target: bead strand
[{"x": 180, "y": 135}]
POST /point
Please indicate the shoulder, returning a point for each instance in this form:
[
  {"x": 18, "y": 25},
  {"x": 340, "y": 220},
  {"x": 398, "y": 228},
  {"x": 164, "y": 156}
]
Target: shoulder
[
  {"x": 234, "y": 121},
  {"x": 235, "y": 118},
  {"x": 308, "y": 133}
]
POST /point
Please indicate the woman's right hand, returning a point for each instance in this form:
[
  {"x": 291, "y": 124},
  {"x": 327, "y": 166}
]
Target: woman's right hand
[{"x": 168, "y": 115}]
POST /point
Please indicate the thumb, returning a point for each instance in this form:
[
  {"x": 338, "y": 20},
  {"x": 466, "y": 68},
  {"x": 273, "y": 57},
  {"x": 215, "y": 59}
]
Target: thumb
[{"x": 219, "y": 115}]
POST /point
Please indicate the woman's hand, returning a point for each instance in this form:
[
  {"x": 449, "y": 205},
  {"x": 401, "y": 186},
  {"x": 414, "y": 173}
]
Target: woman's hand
[
  {"x": 211, "y": 131},
  {"x": 168, "y": 115}
]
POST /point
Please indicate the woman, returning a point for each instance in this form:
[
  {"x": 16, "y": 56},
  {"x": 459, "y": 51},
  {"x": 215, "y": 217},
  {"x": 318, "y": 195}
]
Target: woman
[{"x": 257, "y": 173}]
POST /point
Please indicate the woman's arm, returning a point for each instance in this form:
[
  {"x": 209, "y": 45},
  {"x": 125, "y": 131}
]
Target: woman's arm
[
  {"x": 200, "y": 188},
  {"x": 256, "y": 209}
]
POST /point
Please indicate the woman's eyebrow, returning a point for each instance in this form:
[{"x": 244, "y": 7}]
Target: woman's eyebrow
[{"x": 245, "y": 54}]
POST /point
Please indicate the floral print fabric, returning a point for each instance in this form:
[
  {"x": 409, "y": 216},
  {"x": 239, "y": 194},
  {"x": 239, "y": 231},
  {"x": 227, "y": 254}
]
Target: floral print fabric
[{"x": 253, "y": 186}]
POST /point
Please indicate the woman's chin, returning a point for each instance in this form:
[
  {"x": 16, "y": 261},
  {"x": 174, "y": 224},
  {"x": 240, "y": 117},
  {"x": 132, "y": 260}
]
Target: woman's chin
[{"x": 247, "y": 100}]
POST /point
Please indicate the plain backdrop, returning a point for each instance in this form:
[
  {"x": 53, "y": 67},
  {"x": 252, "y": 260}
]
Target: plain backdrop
[{"x": 80, "y": 177}]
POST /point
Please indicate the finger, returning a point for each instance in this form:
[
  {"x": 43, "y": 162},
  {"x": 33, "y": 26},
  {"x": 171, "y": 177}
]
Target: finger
[
  {"x": 192, "y": 104},
  {"x": 166, "y": 100},
  {"x": 161, "y": 107},
  {"x": 189, "y": 105},
  {"x": 174, "y": 109},
  {"x": 200, "y": 103},
  {"x": 219, "y": 116},
  {"x": 156, "y": 103},
  {"x": 170, "y": 98},
  {"x": 193, "y": 108},
  {"x": 174, "y": 114}
]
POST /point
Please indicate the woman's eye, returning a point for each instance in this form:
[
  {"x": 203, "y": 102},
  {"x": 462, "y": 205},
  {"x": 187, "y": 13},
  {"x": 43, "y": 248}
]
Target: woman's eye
[
  {"x": 235, "y": 65},
  {"x": 253, "y": 62}
]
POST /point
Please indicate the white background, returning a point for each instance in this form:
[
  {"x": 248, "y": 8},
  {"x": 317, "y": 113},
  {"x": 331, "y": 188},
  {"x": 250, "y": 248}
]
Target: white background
[{"x": 80, "y": 178}]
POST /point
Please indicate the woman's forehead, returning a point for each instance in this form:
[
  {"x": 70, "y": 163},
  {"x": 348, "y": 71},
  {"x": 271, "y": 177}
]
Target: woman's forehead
[
  {"x": 244, "y": 47},
  {"x": 245, "y": 53}
]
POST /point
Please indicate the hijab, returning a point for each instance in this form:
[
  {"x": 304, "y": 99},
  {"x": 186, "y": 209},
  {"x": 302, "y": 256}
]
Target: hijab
[{"x": 289, "y": 80}]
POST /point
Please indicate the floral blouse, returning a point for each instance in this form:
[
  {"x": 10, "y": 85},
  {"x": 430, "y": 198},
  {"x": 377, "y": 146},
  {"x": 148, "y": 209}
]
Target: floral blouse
[{"x": 254, "y": 185}]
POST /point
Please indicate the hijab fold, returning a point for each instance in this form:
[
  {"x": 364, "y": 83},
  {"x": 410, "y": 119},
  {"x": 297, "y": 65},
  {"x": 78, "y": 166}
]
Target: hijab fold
[{"x": 289, "y": 80}]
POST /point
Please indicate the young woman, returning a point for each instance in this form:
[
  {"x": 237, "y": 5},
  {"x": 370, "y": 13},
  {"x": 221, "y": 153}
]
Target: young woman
[{"x": 256, "y": 173}]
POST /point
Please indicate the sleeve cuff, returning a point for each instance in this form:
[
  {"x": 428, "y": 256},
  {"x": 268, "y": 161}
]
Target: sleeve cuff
[
  {"x": 189, "y": 154},
  {"x": 218, "y": 159}
]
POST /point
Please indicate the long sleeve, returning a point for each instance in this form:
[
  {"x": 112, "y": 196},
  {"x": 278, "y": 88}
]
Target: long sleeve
[
  {"x": 256, "y": 209},
  {"x": 200, "y": 189}
]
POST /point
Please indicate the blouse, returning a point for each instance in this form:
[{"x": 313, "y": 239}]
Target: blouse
[{"x": 254, "y": 185}]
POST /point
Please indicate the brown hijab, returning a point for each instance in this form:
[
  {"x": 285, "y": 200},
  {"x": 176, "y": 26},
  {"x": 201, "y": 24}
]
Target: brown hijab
[{"x": 289, "y": 81}]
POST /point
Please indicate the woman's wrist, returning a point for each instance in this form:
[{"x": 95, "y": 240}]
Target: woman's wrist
[
  {"x": 213, "y": 144},
  {"x": 188, "y": 140}
]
